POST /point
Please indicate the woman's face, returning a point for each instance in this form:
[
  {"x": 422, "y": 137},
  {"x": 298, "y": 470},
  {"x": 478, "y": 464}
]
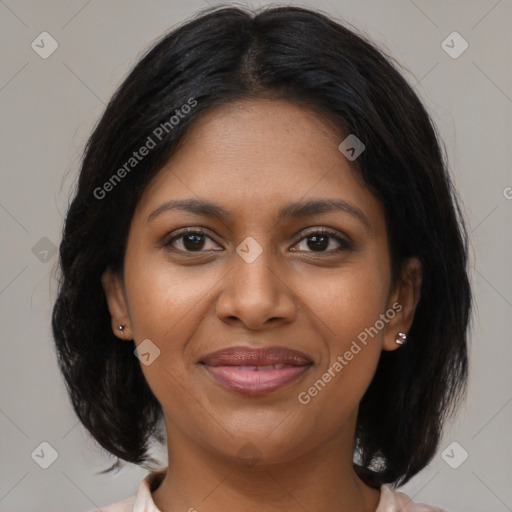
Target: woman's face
[{"x": 262, "y": 276}]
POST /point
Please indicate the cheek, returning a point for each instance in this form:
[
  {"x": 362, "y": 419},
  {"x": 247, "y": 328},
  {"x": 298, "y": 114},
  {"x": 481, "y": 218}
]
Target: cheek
[
  {"x": 167, "y": 304},
  {"x": 165, "y": 300},
  {"x": 352, "y": 300},
  {"x": 349, "y": 306}
]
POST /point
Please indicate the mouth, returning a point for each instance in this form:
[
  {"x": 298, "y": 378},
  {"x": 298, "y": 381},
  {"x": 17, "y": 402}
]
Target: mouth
[{"x": 256, "y": 371}]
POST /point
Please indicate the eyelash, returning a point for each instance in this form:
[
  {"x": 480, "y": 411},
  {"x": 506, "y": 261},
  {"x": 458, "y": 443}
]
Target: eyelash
[{"x": 344, "y": 243}]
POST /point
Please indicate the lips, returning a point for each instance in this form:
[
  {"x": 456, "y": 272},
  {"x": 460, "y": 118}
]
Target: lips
[
  {"x": 245, "y": 356},
  {"x": 256, "y": 371}
]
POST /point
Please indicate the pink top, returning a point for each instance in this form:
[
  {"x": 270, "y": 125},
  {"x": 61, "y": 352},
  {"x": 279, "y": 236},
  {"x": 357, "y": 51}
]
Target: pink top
[{"x": 142, "y": 501}]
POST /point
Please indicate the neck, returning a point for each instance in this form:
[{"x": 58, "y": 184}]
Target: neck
[{"x": 322, "y": 480}]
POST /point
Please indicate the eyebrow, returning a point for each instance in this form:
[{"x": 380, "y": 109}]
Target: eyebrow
[{"x": 290, "y": 211}]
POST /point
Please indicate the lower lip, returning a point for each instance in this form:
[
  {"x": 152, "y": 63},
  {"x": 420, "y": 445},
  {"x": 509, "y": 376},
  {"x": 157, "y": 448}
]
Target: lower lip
[{"x": 255, "y": 382}]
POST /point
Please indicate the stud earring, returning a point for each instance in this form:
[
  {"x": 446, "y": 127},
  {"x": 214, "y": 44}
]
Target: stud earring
[
  {"x": 401, "y": 338},
  {"x": 121, "y": 329}
]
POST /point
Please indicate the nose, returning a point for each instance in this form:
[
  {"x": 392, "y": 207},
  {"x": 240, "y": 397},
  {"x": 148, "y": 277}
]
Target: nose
[{"x": 256, "y": 293}]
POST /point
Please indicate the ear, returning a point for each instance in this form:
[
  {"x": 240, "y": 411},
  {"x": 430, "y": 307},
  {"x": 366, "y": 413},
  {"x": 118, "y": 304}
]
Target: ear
[
  {"x": 117, "y": 304},
  {"x": 403, "y": 301}
]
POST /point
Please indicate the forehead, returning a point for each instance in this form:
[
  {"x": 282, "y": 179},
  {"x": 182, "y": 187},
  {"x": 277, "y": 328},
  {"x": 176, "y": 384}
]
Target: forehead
[
  {"x": 258, "y": 155},
  {"x": 262, "y": 134}
]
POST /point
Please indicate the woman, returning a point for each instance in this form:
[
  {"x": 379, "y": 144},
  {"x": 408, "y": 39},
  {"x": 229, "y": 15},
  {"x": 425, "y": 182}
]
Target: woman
[{"x": 265, "y": 259}]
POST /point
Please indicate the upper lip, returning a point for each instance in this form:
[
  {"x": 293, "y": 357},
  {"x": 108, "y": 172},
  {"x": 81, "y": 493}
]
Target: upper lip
[{"x": 247, "y": 356}]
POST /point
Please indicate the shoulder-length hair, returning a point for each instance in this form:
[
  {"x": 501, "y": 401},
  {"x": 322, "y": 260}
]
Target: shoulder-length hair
[{"x": 298, "y": 55}]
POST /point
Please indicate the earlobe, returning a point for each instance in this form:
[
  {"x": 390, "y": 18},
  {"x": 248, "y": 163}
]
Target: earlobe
[
  {"x": 116, "y": 300},
  {"x": 407, "y": 295}
]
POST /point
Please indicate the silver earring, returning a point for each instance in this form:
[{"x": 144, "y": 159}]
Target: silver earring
[
  {"x": 401, "y": 338},
  {"x": 121, "y": 329}
]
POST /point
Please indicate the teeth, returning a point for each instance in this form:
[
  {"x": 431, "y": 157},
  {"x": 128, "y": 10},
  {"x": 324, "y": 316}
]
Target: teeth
[
  {"x": 271, "y": 367},
  {"x": 261, "y": 368},
  {"x": 247, "y": 368}
]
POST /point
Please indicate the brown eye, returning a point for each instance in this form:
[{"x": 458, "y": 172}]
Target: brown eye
[
  {"x": 320, "y": 241},
  {"x": 193, "y": 241},
  {"x": 189, "y": 241}
]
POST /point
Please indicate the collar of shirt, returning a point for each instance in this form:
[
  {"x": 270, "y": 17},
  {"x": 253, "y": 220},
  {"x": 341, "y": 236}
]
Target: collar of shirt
[{"x": 142, "y": 501}]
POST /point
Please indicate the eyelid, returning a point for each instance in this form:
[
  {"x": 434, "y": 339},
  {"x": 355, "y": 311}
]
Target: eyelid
[{"x": 328, "y": 231}]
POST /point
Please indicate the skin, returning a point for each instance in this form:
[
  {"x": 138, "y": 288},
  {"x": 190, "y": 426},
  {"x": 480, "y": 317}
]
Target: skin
[{"x": 252, "y": 158}]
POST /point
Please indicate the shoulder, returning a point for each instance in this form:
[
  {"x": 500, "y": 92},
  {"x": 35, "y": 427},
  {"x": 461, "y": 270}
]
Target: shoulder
[
  {"x": 394, "y": 501},
  {"x": 142, "y": 500},
  {"x": 125, "y": 505}
]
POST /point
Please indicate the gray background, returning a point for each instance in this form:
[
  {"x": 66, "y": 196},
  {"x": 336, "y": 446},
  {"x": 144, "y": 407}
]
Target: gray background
[{"x": 48, "y": 108}]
